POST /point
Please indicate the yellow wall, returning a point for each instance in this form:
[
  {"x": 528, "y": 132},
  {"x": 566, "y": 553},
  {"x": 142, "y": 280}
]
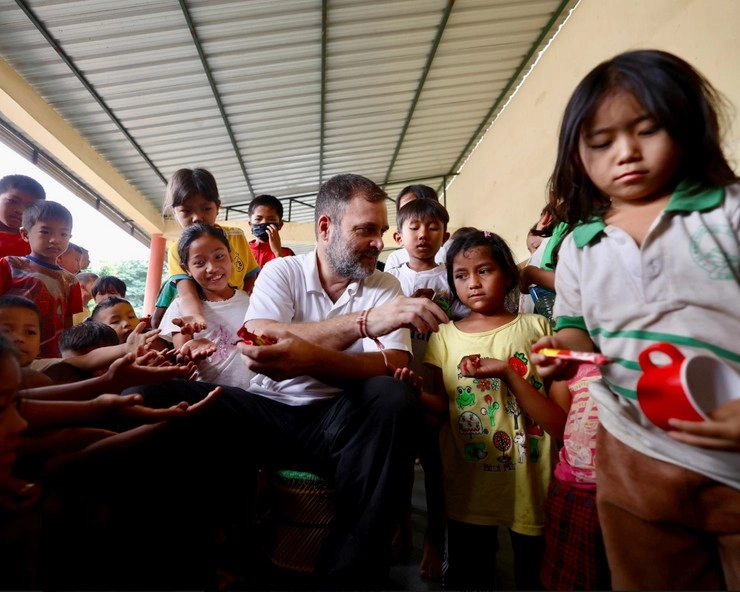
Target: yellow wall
[{"x": 502, "y": 186}]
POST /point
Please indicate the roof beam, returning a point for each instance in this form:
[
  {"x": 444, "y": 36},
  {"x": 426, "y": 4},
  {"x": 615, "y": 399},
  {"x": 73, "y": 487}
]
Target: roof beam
[
  {"x": 27, "y": 111},
  {"x": 216, "y": 94},
  {"x": 503, "y": 94},
  {"x": 86, "y": 83},
  {"x": 322, "y": 123},
  {"x": 419, "y": 88}
]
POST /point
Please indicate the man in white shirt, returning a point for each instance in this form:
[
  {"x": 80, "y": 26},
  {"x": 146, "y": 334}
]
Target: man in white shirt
[{"x": 324, "y": 398}]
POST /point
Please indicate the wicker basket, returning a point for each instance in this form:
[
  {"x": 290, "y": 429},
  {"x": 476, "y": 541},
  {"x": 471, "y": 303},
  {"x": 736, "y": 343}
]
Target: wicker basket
[{"x": 302, "y": 512}]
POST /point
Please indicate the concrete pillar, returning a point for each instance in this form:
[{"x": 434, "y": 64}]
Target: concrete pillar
[{"x": 154, "y": 273}]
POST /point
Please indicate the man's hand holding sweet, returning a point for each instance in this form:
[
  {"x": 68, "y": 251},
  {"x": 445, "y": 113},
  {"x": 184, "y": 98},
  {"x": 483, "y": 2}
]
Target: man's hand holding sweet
[
  {"x": 288, "y": 357},
  {"x": 421, "y": 314}
]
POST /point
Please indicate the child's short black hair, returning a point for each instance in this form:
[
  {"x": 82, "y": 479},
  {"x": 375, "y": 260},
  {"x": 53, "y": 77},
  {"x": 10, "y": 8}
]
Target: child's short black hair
[
  {"x": 105, "y": 284},
  {"x": 86, "y": 336},
  {"x": 424, "y": 210},
  {"x": 42, "y": 210},
  {"x": 22, "y": 183},
  {"x": 266, "y": 200},
  {"x": 109, "y": 302},
  {"x": 420, "y": 191},
  {"x": 13, "y": 301}
]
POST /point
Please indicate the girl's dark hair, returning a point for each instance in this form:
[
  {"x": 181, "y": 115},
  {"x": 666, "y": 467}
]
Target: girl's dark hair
[
  {"x": 497, "y": 248},
  {"x": 187, "y": 182},
  {"x": 676, "y": 95},
  {"x": 193, "y": 233}
]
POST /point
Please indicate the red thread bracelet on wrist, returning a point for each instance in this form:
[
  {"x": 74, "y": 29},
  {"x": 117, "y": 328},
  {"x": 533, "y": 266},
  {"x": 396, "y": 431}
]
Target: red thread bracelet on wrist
[{"x": 362, "y": 326}]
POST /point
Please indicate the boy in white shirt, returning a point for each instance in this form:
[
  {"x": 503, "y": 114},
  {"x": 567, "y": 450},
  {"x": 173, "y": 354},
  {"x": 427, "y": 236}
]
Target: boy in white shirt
[{"x": 422, "y": 230}]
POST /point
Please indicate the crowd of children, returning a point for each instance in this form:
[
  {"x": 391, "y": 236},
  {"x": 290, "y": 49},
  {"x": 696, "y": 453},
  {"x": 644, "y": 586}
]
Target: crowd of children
[{"x": 643, "y": 208}]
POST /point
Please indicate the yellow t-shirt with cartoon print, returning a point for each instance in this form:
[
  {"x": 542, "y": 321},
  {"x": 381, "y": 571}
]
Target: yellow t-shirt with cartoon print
[{"x": 496, "y": 462}]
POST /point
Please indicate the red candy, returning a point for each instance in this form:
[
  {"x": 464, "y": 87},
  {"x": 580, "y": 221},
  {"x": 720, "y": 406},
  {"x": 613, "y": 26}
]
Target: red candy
[{"x": 252, "y": 338}]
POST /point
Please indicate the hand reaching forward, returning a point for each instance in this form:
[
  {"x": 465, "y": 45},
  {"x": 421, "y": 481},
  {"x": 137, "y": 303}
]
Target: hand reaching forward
[
  {"x": 198, "y": 349},
  {"x": 139, "y": 342},
  {"x": 190, "y": 325},
  {"x": 130, "y": 371},
  {"x": 412, "y": 379}
]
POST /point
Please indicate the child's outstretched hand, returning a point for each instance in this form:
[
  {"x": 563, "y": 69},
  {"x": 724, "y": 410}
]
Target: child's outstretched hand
[
  {"x": 721, "y": 432},
  {"x": 129, "y": 371},
  {"x": 139, "y": 342},
  {"x": 189, "y": 326},
  {"x": 198, "y": 349},
  {"x": 129, "y": 406},
  {"x": 410, "y": 377}
]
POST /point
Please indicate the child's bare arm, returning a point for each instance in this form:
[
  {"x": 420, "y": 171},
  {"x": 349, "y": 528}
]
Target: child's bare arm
[
  {"x": 536, "y": 275},
  {"x": 124, "y": 372},
  {"x": 432, "y": 402},
  {"x": 721, "y": 432},
  {"x": 42, "y": 415},
  {"x": 130, "y": 437},
  {"x": 190, "y": 302},
  {"x": 560, "y": 394},
  {"x": 249, "y": 283},
  {"x": 137, "y": 343},
  {"x": 546, "y": 412}
]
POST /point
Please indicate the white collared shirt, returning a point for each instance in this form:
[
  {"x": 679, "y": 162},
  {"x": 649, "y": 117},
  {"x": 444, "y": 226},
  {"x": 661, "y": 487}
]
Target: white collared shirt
[{"x": 289, "y": 290}]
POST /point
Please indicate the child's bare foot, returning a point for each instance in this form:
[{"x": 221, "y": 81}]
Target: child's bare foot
[
  {"x": 402, "y": 543},
  {"x": 431, "y": 560}
]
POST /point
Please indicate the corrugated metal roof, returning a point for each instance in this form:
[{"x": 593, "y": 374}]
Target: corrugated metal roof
[{"x": 275, "y": 97}]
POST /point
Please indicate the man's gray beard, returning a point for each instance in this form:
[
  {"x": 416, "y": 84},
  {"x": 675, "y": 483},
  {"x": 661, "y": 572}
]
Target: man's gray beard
[{"x": 345, "y": 263}]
